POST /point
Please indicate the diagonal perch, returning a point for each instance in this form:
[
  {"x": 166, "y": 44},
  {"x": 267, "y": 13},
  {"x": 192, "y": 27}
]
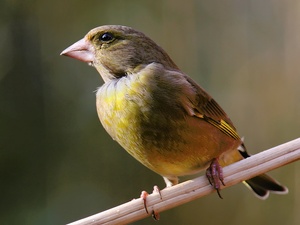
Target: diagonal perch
[{"x": 187, "y": 191}]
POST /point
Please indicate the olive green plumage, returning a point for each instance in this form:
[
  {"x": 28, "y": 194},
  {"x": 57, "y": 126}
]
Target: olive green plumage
[{"x": 157, "y": 113}]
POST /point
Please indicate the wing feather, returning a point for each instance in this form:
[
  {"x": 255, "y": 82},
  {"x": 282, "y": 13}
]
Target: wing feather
[{"x": 206, "y": 108}]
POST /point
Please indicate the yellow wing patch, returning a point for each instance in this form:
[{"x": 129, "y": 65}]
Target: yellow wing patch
[{"x": 221, "y": 125}]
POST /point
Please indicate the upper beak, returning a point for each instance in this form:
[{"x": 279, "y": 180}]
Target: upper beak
[{"x": 82, "y": 50}]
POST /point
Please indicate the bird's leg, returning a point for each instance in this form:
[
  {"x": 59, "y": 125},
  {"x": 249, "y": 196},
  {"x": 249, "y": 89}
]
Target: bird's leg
[
  {"x": 171, "y": 181},
  {"x": 214, "y": 174},
  {"x": 144, "y": 195}
]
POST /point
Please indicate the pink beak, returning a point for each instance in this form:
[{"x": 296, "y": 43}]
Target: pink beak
[{"x": 81, "y": 50}]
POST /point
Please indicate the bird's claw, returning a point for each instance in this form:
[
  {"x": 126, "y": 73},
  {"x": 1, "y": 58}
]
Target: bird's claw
[
  {"x": 214, "y": 174},
  {"x": 144, "y": 195},
  {"x": 155, "y": 215}
]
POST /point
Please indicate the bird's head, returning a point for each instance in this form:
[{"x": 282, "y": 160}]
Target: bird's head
[{"x": 116, "y": 51}]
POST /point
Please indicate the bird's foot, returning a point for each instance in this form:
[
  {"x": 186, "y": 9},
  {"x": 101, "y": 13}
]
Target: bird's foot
[
  {"x": 214, "y": 174},
  {"x": 144, "y": 195}
]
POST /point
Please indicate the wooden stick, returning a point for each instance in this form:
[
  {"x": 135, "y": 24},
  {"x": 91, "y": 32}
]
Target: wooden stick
[{"x": 196, "y": 188}]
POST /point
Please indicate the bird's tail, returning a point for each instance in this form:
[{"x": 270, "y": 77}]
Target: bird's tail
[{"x": 262, "y": 184}]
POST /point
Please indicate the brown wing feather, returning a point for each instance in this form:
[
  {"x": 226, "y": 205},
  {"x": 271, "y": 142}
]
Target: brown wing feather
[{"x": 205, "y": 107}]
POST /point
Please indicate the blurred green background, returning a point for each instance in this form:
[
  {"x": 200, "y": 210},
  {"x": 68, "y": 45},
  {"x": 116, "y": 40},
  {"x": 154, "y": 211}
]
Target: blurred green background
[{"x": 58, "y": 164}]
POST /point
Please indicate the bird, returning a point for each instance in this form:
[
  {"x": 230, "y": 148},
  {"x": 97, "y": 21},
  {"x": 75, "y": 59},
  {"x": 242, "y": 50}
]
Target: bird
[{"x": 159, "y": 114}]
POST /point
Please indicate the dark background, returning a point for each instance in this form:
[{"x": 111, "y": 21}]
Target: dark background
[{"x": 57, "y": 164}]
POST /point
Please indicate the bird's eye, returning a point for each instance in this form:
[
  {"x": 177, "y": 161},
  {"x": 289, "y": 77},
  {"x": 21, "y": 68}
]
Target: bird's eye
[{"x": 106, "y": 37}]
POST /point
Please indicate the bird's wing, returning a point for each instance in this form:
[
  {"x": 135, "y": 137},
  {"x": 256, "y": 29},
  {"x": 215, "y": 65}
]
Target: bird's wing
[{"x": 206, "y": 108}]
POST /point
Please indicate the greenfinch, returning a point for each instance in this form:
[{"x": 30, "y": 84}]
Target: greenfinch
[{"x": 157, "y": 113}]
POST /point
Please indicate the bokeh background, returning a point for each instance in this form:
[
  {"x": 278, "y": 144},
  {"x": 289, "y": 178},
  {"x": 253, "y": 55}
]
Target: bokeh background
[{"x": 58, "y": 165}]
